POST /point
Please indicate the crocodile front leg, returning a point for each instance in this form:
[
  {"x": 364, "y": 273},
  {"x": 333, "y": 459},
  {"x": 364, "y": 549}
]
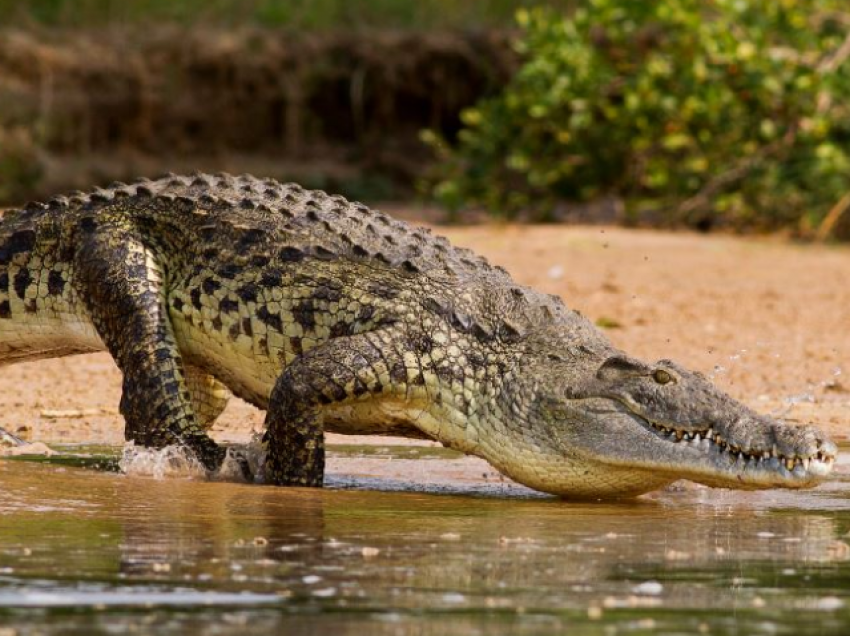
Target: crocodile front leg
[
  {"x": 121, "y": 282},
  {"x": 346, "y": 368}
]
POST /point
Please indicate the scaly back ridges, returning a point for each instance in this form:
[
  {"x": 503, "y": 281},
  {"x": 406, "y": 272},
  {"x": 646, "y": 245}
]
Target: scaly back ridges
[
  {"x": 336, "y": 226},
  {"x": 329, "y": 227},
  {"x": 361, "y": 232}
]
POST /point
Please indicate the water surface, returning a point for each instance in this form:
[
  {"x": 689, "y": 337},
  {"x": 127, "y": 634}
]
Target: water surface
[{"x": 86, "y": 550}]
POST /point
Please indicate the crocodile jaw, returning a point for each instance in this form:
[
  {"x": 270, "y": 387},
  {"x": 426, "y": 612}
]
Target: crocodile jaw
[{"x": 633, "y": 455}]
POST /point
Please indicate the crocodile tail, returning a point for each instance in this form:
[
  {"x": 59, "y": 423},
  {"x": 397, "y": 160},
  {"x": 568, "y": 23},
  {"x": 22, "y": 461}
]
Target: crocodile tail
[{"x": 7, "y": 439}]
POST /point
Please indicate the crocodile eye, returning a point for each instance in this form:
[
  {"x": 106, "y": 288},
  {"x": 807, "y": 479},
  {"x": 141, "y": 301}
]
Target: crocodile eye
[{"x": 661, "y": 376}]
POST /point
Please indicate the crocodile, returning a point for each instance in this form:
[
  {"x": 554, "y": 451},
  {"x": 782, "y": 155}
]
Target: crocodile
[{"x": 335, "y": 317}]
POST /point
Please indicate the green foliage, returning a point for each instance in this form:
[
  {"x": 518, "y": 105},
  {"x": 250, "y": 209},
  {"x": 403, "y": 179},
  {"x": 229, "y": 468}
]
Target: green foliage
[{"x": 728, "y": 111}]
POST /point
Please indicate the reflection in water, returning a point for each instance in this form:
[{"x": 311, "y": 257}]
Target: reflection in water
[{"x": 179, "y": 556}]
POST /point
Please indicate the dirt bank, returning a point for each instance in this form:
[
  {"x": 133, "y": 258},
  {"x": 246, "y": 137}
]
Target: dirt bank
[
  {"x": 768, "y": 319},
  {"x": 336, "y": 109}
]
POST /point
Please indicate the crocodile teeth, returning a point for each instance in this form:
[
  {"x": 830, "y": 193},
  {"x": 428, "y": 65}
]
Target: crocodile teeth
[{"x": 756, "y": 458}]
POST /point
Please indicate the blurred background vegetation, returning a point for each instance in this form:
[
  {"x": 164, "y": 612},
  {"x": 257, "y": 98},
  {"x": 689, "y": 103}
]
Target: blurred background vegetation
[
  {"x": 722, "y": 114},
  {"x": 289, "y": 14},
  {"x": 715, "y": 113}
]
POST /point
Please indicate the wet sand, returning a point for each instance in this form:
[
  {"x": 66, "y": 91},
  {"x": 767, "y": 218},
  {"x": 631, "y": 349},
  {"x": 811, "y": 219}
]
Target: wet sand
[{"x": 767, "y": 318}]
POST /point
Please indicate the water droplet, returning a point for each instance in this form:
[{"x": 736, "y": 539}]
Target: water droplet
[
  {"x": 829, "y": 603},
  {"x": 651, "y": 588},
  {"x": 453, "y": 597}
]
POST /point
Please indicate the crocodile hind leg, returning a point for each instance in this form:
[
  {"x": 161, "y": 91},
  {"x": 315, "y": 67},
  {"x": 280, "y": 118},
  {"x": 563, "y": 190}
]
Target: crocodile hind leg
[
  {"x": 122, "y": 284},
  {"x": 341, "y": 369},
  {"x": 209, "y": 397}
]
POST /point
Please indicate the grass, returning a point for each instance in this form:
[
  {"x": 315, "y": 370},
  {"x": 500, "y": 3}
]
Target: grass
[{"x": 295, "y": 14}]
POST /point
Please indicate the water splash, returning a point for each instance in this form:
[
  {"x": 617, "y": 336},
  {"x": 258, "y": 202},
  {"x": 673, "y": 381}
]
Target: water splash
[
  {"x": 252, "y": 455},
  {"x": 814, "y": 391},
  {"x": 810, "y": 395},
  {"x": 159, "y": 463},
  {"x": 737, "y": 358},
  {"x": 718, "y": 370},
  {"x": 176, "y": 461}
]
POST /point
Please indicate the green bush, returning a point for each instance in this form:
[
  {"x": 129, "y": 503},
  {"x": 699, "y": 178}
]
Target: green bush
[{"x": 726, "y": 112}]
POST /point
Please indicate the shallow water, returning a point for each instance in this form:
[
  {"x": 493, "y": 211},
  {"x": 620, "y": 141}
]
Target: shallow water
[{"x": 408, "y": 541}]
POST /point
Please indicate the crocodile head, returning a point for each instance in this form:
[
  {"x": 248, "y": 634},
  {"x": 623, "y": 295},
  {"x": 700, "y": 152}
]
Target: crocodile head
[{"x": 613, "y": 426}]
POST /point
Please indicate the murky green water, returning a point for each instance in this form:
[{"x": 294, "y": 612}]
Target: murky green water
[{"x": 85, "y": 551}]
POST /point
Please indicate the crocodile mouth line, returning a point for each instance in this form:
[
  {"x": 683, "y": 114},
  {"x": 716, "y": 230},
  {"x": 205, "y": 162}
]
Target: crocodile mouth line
[{"x": 709, "y": 440}]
